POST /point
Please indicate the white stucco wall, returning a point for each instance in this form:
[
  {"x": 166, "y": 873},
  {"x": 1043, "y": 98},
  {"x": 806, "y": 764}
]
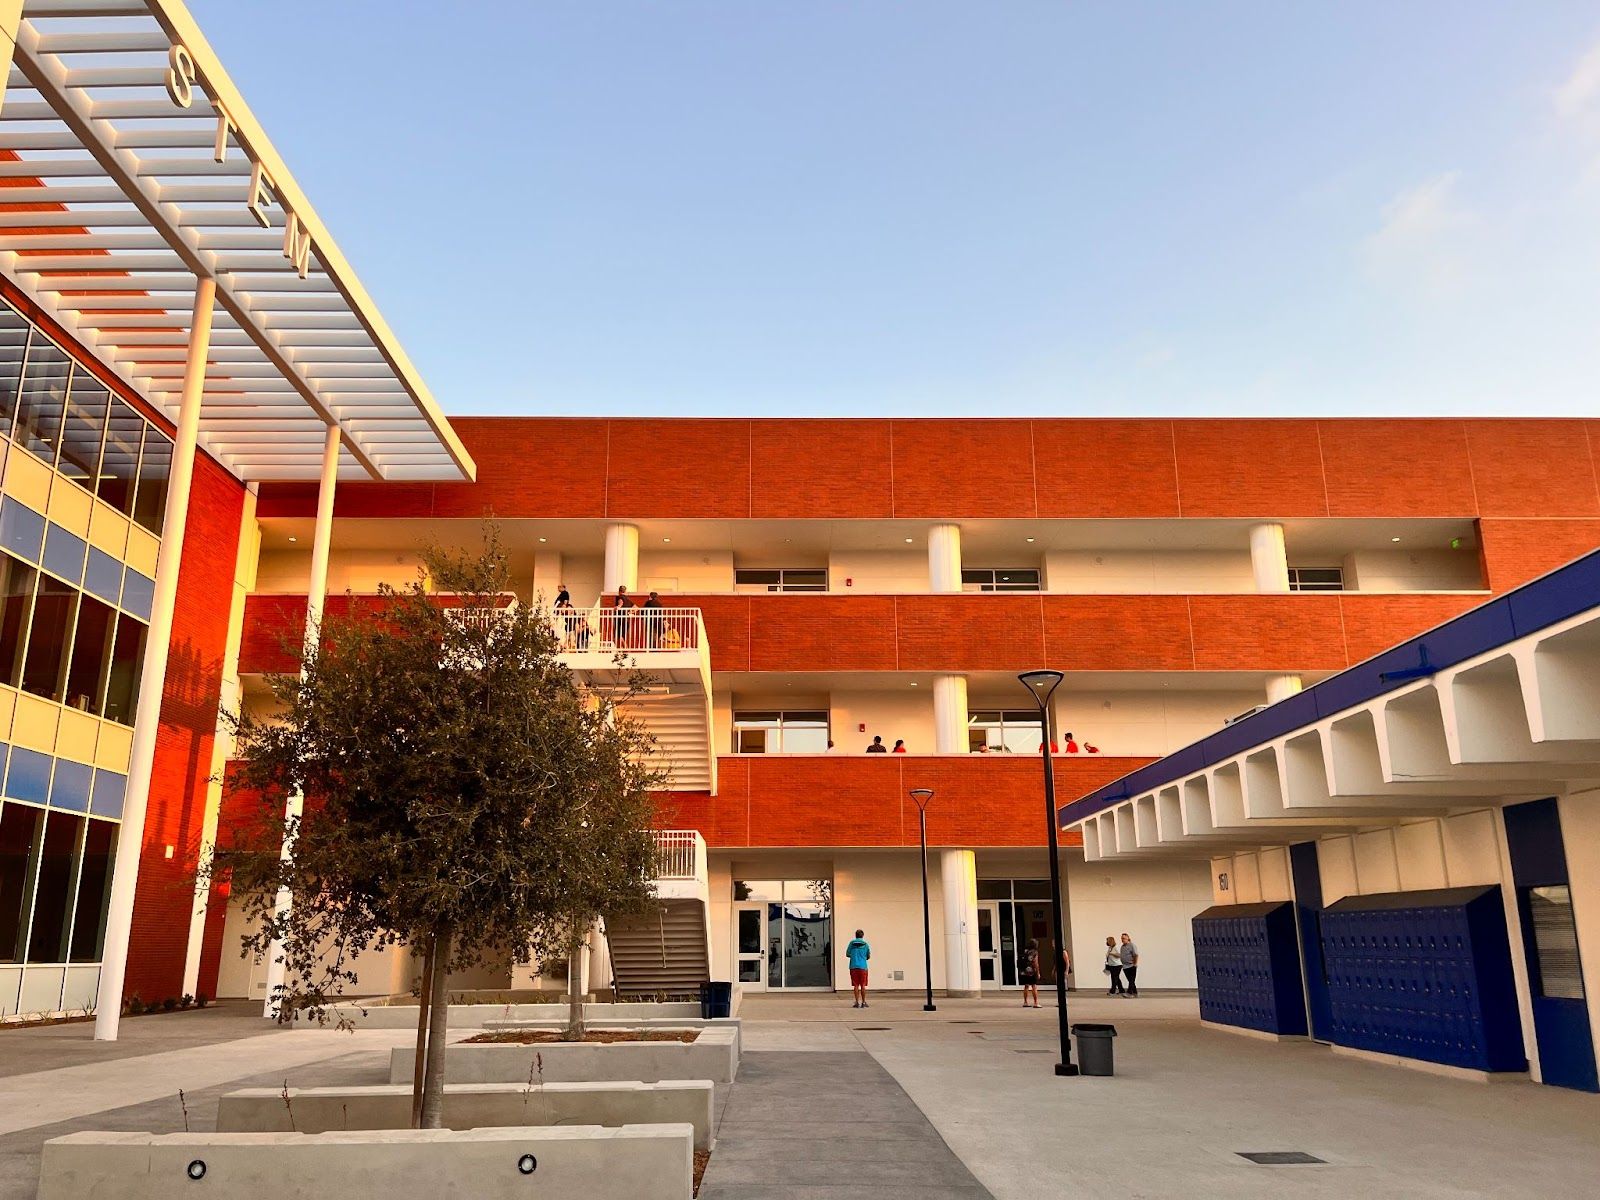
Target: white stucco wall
[{"x": 1153, "y": 901}]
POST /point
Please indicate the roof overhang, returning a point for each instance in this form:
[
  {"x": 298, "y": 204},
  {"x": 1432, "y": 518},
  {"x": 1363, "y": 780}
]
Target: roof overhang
[{"x": 130, "y": 167}]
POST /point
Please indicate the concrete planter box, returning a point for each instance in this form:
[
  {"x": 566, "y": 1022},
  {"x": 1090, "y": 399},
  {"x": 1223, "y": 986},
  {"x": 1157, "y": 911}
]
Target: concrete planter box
[
  {"x": 473, "y": 1106},
  {"x": 651, "y": 1023},
  {"x": 636, "y": 1162},
  {"x": 714, "y": 1055},
  {"x": 383, "y": 1013}
]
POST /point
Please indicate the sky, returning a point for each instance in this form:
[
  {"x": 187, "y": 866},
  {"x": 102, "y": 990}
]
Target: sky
[{"x": 933, "y": 208}]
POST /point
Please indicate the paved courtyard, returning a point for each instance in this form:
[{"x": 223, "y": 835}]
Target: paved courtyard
[{"x": 835, "y": 1103}]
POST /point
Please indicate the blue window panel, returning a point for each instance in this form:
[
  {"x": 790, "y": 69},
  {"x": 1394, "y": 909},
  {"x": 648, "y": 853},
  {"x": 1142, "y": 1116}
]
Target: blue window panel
[
  {"x": 104, "y": 576},
  {"x": 21, "y": 529},
  {"x": 63, "y": 554},
  {"x": 71, "y": 787},
  {"x": 29, "y": 777},
  {"x": 138, "y": 593},
  {"x": 106, "y": 800}
]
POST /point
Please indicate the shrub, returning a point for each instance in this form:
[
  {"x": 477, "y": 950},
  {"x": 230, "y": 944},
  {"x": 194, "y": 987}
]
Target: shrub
[
  {"x": 170, "y": 1004},
  {"x": 200, "y": 1001},
  {"x": 185, "y": 1000},
  {"x": 135, "y": 1005}
]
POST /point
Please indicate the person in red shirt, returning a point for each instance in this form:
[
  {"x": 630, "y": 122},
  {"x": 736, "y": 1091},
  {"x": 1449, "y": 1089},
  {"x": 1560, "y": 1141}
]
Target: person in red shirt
[{"x": 899, "y": 746}]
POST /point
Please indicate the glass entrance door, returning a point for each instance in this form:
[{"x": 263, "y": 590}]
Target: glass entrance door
[
  {"x": 750, "y": 946},
  {"x": 989, "y": 945}
]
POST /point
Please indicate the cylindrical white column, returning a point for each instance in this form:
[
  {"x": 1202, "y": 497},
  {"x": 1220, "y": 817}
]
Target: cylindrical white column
[
  {"x": 944, "y": 558},
  {"x": 316, "y": 597},
  {"x": 1281, "y": 687},
  {"x": 599, "y": 959},
  {"x": 958, "y": 874},
  {"x": 622, "y": 558},
  {"x": 950, "y": 714},
  {"x": 1268, "y": 560},
  {"x": 153, "y": 674}
]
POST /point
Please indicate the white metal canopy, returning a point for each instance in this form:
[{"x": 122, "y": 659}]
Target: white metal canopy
[{"x": 115, "y": 196}]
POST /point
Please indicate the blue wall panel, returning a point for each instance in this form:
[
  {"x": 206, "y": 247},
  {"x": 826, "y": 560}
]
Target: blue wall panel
[
  {"x": 1248, "y": 967},
  {"x": 1424, "y": 975}
]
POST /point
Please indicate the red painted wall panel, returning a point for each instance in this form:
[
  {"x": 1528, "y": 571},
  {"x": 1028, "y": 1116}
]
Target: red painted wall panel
[
  {"x": 1302, "y": 632},
  {"x": 1378, "y": 468},
  {"x": 679, "y": 468},
  {"x": 808, "y": 470},
  {"x": 1533, "y": 468},
  {"x": 822, "y": 633},
  {"x": 1374, "y": 623},
  {"x": 554, "y": 467},
  {"x": 1246, "y": 468},
  {"x": 1517, "y": 551},
  {"x": 1096, "y": 468},
  {"x": 1118, "y": 633},
  {"x": 969, "y": 633},
  {"x": 164, "y": 898},
  {"x": 949, "y": 469}
]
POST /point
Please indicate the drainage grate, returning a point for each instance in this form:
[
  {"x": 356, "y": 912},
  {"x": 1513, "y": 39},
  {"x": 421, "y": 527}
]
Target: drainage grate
[
  {"x": 1279, "y": 1158},
  {"x": 1033, "y": 1052},
  {"x": 973, "y": 1032},
  {"x": 871, "y": 1028},
  {"x": 963, "y": 1022}
]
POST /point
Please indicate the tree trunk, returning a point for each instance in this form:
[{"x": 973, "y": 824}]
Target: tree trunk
[
  {"x": 576, "y": 949},
  {"x": 424, "y": 997},
  {"x": 438, "y": 1022}
]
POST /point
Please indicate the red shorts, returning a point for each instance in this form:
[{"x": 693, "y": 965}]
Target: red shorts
[{"x": 858, "y": 977}]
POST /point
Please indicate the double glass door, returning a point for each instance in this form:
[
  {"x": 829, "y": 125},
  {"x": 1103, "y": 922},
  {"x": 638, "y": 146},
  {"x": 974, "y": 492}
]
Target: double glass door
[
  {"x": 1012, "y": 913},
  {"x": 784, "y": 939}
]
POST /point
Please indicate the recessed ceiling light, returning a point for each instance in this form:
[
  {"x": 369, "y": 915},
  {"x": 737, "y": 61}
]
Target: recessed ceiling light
[
  {"x": 1030, "y": 539},
  {"x": 913, "y": 683},
  {"x": 666, "y": 539},
  {"x": 292, "y": 538},
  {"x": 544, "y": 539},
  {"x": 908, "y": 540},
  {"x": 1394, "y": 539}
]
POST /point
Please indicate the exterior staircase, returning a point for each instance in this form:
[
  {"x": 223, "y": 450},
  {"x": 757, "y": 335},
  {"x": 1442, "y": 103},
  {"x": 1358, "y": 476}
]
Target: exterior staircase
[
  {"x": 678, "y": 722},
  {"x": 666, "y": 950}
]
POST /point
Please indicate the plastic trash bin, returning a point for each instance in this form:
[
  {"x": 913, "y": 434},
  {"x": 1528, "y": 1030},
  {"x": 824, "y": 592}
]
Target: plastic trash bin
[
  {"x": 1094, "y": 1048},
  {"x": 716, "y": 1000}
]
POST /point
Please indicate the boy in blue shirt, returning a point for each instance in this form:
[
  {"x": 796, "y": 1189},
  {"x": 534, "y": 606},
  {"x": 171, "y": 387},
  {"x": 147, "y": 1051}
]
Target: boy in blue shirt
[{"x": 858, "y": 952}]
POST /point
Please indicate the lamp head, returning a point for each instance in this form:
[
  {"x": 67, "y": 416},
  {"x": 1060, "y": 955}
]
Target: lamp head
[
  {"x": 1041, "y": 684},
  {"x": 922, "y": 796}
]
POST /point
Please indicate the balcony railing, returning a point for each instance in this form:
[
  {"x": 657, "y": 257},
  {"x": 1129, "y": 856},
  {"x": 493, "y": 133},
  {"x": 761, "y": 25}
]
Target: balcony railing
[
  {"x": 677, "y": 853},
  {"x": 629, "y": 630}
]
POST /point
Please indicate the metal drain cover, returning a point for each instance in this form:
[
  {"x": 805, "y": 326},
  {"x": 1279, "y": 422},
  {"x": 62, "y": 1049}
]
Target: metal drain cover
[
  {"x": 963, "y": 1022},
  {"x": 1033, "y": 1052},
  {"x": 871, "y": 1028},
  {"x": 1279, "y": 1158}
]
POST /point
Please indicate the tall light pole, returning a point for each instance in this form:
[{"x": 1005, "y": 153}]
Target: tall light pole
[
  {"x": 922, "y": 796},
  {"x": 1041, "y": 684}
]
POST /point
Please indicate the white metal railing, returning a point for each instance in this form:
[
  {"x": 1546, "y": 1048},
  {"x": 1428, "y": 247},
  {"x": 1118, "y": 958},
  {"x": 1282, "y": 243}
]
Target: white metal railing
[
  {"x": 677, "y": 853},
  {"x": 638, "y": 629}
]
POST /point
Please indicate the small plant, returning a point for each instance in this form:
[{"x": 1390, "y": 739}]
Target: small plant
[
  {"x": 289, "y": 1105},
  {"x": 200, "y": 1000},
  {"x": 170, "y": 1004},
  {"x": 185, "y": 1000},
  {"x": 135, "y": 1005},
  {"x": 183, "y": 1103}
]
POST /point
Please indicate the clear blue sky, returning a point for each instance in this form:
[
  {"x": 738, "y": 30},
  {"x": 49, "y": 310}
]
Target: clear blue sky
[{"x": 930, "y": 207}]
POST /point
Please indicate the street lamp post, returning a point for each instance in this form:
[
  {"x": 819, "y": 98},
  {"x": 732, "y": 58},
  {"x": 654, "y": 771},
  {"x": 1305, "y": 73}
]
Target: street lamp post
[
  {"x": 1041, "y": 684},
  {"x": 922, "y": 796}
]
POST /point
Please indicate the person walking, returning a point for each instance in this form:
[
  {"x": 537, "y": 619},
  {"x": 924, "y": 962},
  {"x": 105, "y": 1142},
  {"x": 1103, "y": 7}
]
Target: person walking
[
  {"x": 858, "y": 953},
  {"x": 1028, "y": 973},
  {"x": 1113, "y": 966},
  {"x": 1129, "y": 953}
]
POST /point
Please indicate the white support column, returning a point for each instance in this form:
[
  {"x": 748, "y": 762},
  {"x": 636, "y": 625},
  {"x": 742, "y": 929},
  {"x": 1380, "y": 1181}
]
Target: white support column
[
  {"x": 622, "y": 558},
  {"x": 547, "y": 577},
  {"x": 599, "y": 958},
  {"x": 1268, "y": 560},
  {"x": 950, "y": 714},
  {"x": 958, "y": 873},
  {"x": 944, "y": 558},
  {"x": 316, "y": 596},
  {"x": 153, "y": 675},
  {"x": 1281, "y": 687}
]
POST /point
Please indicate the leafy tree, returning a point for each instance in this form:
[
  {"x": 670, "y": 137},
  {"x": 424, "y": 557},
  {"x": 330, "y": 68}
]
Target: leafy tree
[{"x": 463, "y": 794}]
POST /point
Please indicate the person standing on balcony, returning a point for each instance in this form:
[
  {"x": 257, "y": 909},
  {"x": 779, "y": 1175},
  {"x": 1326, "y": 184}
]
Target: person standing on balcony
[
  {"x": 899, "y": 746},
  {"x": 858, "y": 953},
  {"x": 877, "y": 747},
  {"x": 566, "y": 617},
  {"x": 622, "y": 618},
  {"x": 654, "y": 620}
]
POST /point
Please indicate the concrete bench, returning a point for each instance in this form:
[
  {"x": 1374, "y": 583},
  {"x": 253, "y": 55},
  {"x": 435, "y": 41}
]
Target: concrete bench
[
  {"x": 635, "y": 1023},
  {"x": 381, "y": 1013},
  {"x": 635, "y": 1162},
  {"x": 714, "y": 1055},
  {"x": 473, "y": 1106}
]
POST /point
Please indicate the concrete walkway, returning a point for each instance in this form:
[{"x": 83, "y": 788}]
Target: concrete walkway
[{"x": 833, "y": 1125}]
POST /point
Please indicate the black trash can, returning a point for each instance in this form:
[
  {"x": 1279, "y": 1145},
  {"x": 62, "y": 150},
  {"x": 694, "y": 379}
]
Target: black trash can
[
  {"x": 716, "y": 1000},
  {"x": 1094, "y": 1048}
]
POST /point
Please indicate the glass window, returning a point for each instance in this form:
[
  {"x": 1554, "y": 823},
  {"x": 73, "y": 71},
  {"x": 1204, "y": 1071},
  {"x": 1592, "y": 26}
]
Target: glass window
[
  {"x": 103, "y": 576},
  {"x": 1316, "y": 579},
  {"x": 91, "y": 655},
  {"x": 21, "y": 529},
  {"x": 94, "y": 892},
  {"x": 1000, "y": 579},
  {"x": 29, "y": 777},
  {"x": 43, "y": 398},
  {"x": 122, "y": 677},
  {"x": 994, "y": 889},
  {"x": 16, "y": 604},
  {"x": 70, "y": 788},
  {"x": 1026, "y": 889},
  {"x": 14, "y": 329},
  {"x": 63, "y": 554},
  {"x": 155, "y": 463},
  {"x": 84, "y": 428},
  {"x": 52, "y": 893},
  {"x": 800, "y": 732},
  {"x": 1014, "y": 731},
  {"x": 119, "y": 465},
  {"x": 138, "y": 593},
  {"x": 785, "y": 579},
  {"x": 1555, "y": 942},
  {"x": 19, "y": 831},
  {"x": 44, "y": 668},
  {"x": 106, "y": 798}
]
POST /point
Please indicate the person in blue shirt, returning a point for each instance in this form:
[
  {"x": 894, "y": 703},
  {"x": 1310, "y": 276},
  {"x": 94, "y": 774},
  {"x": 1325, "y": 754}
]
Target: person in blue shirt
[{"x": 858, "y": 952}]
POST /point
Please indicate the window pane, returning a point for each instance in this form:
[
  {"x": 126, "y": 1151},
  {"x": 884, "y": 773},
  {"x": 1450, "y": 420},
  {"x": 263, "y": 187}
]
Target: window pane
[
  {"x": 106, "y": 798},
  {"x": 138, "y": 593},
  {"x": 84, "y": 428},
  {"x": 750, "y": 741},
  {"x": 756, "y": 718},
  {"x": 94, "y": 892},
  {"x": 21, "y": 529},
  {"x": 13, "y": 344},
  {"x": 70, "y": 787},
  {"x": 29, "y": 777},
  {"x": 749, "y": 931},
  {"x": 1555, "y": 939},
  {"x": 19, "y": 825},
  {"x": 154, "y": 465},
  {"x": 16, "y": 602},
  {"x": 805, "y": 739},
  {"x": 805, "y": 581},
  {"x": 42, "y": 399},
  {"x": 120, "y": 463},
  {"x": 63, "y": 554},
  {"x": 122, "y": 682},
  {"x": 761, "y": 578},
  {"x": 47, "y": 943},
  {"x": 994, "y": 889},
  {"x": 103, "y": 575},
  {"x": 1033, "y": 889},
  {"x": 44, "y": 670},
  {"x": 91, "y": 654},
  {"x": 805, "y": 718}
]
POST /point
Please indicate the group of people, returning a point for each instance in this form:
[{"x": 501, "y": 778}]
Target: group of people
[
  {"x": 1072, "y": 747},
  {"x": 1122, "y": 962},
  {"x": 878, "y": 747},
  {"x": 624, "y": 623}
]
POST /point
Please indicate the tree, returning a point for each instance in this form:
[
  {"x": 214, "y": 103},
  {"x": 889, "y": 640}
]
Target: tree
[{"x": 463, "y": 794}]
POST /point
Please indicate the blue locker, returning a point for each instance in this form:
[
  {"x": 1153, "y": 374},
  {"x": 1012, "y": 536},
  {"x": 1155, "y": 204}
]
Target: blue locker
[
  {"x": 1424, "y": 975},
  {"x": 1247, "y": 963}
]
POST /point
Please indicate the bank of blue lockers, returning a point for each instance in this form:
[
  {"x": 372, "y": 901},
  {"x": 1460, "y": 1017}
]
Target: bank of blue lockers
[{"x": 1247, "y": 966}]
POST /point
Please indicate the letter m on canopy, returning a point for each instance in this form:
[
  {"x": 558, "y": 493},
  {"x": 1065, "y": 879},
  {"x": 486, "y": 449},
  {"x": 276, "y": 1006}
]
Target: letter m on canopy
[{"x": 297, "y": 244}]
